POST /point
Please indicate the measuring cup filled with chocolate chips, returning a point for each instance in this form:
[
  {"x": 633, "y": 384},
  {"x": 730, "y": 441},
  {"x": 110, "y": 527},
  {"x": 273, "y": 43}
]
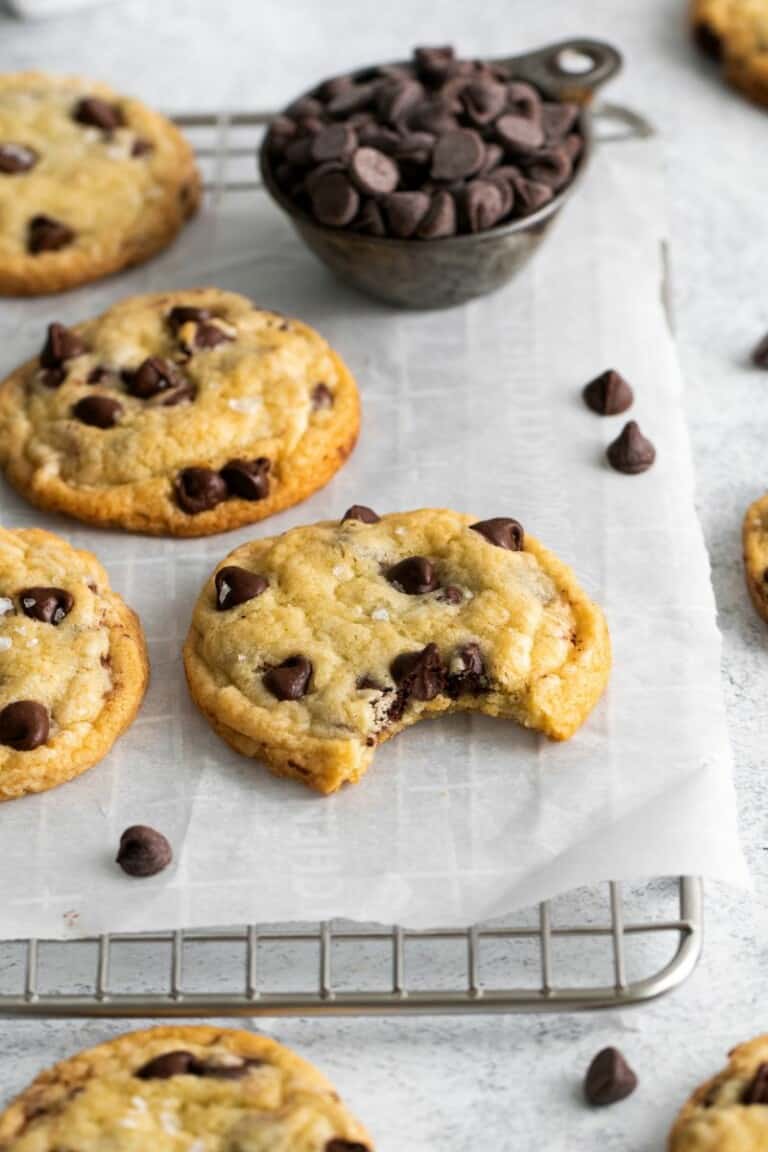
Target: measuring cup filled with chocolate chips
[{"x": 429, "y": 182}]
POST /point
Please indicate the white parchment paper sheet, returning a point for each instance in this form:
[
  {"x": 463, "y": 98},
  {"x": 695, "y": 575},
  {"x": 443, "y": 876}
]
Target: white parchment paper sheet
[{"x": 478, "y": 408}]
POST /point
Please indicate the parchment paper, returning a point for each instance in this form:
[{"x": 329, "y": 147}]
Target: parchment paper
[{"x": 478, "y": 408}]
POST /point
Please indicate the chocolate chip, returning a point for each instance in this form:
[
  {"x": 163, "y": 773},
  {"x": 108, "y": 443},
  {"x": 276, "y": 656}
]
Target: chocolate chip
[
  {"x": 467, "y": 673},
  {"x": 520, "y": 134},
  {"x": 631, "y": 452},
  {"x": 24, "y": 725},
  {"x": 339, "y": 1144},
  {"x": 16, "y": 158},
  {"x": 49, "y": 605},
  {"x": 396, "y": 96},
  {"x": 248, "y": 479},
  {"x": 373, "y": 172},
  {"x": 53, "y": 377},
  {"x": 494, "y": 154},
  {"x": 440, "y": 219},
  {"x": 352, "y": 99},
  {"x": 433, "y": 116},
  {"x": 44, "y": 234},
  {"x": 236, "y": 585},
  {"x": 756, "y": 1091},
  {"x": 420, "y": 675},
  {"x": 609, "y": 1078},
  {"x": 143, "y": 851},
  {"x": 608, "y": 394},
  {"x": 60, "y": 344},
  {"x": 484, "y": 100},
  {"x": 182, "y": 314},
  {"x": 557, "y": 120},
  {"x": 98, "y": 113},
  {"x": 142, "y": 147},
  {"x": 483, "y": 205},
  {"x": 98, "y": 411},
  {"x": 199, "y": 489},
  {"x": 211, "y": 1070},
  {"x": 369, "y": 219},
  {"x": 379, "y": 137},
  {"x": 405, "y": 211},
  {"x": 457, "y": 154},
  {"x": 99, "y": 374},
  {"x": 573, "y": 145},
  {"x": 322, "y": 397},
  {"x": 177, "y": 1063},
  {"x": 502, "y": 531},
  {"x": 506, "y": 191},
  {"x": 362, "y": 513},
  {"x": 434, "y": 63},
  {"x": 333, "y": 142},
  {"x": 552, "y": 167},
  {"x": 158, "y": 377},
  {"x": 415, "y": 148},
  {"x": 289, "y": 680},
  {"x": 524, "y": 99},
  {"x": 334, "y": 87},
  {"x": 415, "y": 576},
  {"x": 760, "y": 353},
  {"x": 334, "y": 200},
  {"x": 530, "y": 195}
]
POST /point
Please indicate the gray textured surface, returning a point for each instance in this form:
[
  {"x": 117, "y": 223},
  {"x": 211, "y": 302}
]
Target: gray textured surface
[{"x": 512, "y": 1084}]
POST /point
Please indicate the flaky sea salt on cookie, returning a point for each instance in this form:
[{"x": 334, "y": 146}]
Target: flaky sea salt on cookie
[
  {"x": 73, "y": 664},
  {"x": 308, "y": 649},
  {"x": 90, "y": 182},
  {"x": 182, "y": 413}
]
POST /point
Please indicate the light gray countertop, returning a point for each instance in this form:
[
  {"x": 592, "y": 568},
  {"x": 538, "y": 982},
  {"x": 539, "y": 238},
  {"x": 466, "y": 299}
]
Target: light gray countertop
[{"x": 461, "y": 1084}]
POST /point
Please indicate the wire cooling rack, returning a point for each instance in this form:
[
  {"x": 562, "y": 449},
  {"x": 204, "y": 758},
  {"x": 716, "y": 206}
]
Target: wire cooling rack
[{"x": 597, "y": 948}]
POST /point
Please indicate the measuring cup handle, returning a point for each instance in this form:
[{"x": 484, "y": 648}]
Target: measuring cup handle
[{"x": 570, "y": 69}]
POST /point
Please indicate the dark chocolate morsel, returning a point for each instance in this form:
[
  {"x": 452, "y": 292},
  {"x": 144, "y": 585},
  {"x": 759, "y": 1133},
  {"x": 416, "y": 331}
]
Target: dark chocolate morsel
[
  {"x": 143, "y": 851},
  {"x": 760, "y": 353},
  {"x": 289, "y": 680},
  {"x": 524, "y": 100},
  {"x": 334, "y": 200},
  {"x": 98, "y": 113},
  {"x": 340, "y": 1144},
  {"x": 98, "y": 411},
  {"x": 451, "y": 594},
  {"x": 551, "y": 166},
  {"x": 373, "y": 172},
  {"x": 484, "y": 100},
  {"x": 362, "y": 513},
  {"x": 557, "y": 120},
  {"x": 182, "y": 314},
  {"x": 519, "y": 134},
  {"x": 483, "y": 205},
  {"x": 405, "y": 211},
  {"x": 756, "y": 1091},
  {"x": 322, "y": 397},
  {"x": 176, "y": 1063},
  {"x": 333, "y": 142},
  {"x": 49, "y": 605},
  {"x": 609, "y": 1078},
  {"x": 434, "y": 63},
  {"x": 248, "y": 479},
  {"x": 236, "y": 585},
  {"x": 415, "y": 576},
  {"x": 24, "y": 725},
  {"x": 458, "y": 154},
  {"x": 199, "y": 489},
  {"x": 99, "y": 374},
  {"x": 608, "y": 394},
  {"x": 502, "y": 531},
  {"x": 53, "y": 377},
  {"x": 420, "y": 675},
  {"x": 530, "y": 195},
  {"x": 45, "y": 234},
  {"x": 142, "y": 147},
  {"x": 440, "y": 219},
  {"x": 467, "y": 671},
  {"x": 60, "y": 344},
  {"x": 16, "y": 158},
  {"x": 153, "y": 376},
  {"x": 631, "y": 452}
]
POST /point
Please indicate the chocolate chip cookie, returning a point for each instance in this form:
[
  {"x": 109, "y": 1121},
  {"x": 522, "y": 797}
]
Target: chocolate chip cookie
[
  {"x": 735, "y": 32},
  {"x": 309, "y": 649},
  {"x": 755, "y": 545},
  {"x": 90, "y": 182},
  {"x": 73, "y": 666},
  {"x": 728, "y": 1113},
  {"x": 182, "y": 414},
  {"x": 196, "y": 1088}
]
